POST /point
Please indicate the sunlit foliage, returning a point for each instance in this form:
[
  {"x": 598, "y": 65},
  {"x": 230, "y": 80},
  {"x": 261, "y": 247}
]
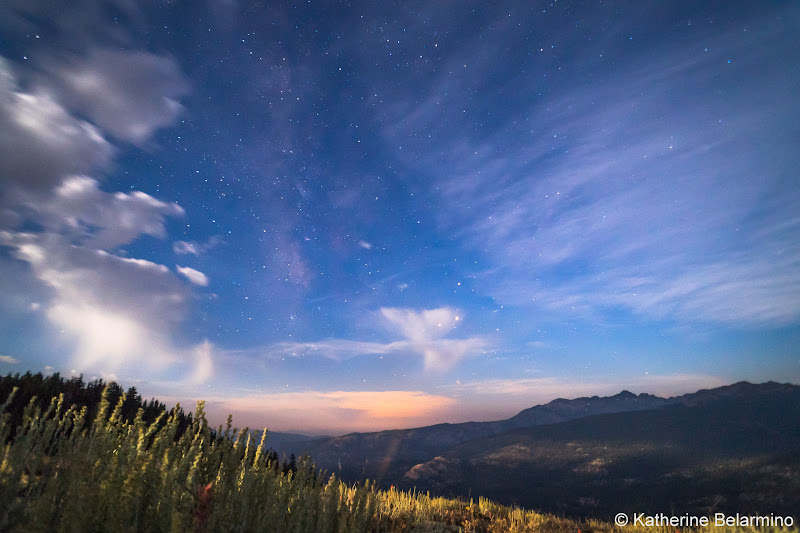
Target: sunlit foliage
[{"x": 59, "y": 472}]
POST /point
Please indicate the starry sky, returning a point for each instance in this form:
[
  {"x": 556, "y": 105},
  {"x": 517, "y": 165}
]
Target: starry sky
[{"x": 327, "y": 217}]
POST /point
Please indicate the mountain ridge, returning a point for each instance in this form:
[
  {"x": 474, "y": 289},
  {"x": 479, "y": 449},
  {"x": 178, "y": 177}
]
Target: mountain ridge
[
  {"x": 734, "y": 449},
  {"x": 389, "y": 454}
]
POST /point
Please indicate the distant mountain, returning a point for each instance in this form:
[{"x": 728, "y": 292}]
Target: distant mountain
[
  {"x": 743, "y": 390},
  {"x": 732, "y": 449},
  {"x": 389, "y": 454},
  {"x": 561, "y": 410},
  {"x": 586, "y": 455},
  {"x": 286, "y": 442}
]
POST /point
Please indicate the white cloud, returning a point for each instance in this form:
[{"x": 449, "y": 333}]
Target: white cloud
[
  {"x": 120, "y": 311},
  {"x": 196, "y": 248},
  {"x": 41, "y": 141},
  {"x": 8, "y": 360},
  {"x": 83, "y": 275},
  {"x": 184, "y": 247},
  {"x": 337, "y": 349},
  {"x": 195, "y": 276},
  {"x": 443, "y": 354},
  {"x": 425, "y": 325},
  {"x": 542, "y": 390},
  {"x": 438, "y": 354},
  {"x": 79, "y": 209},
  {"x": 104, "y": 339},
  {"x": 203, "y": 363},
  {"x": 423, "y": 333},
  {"x": 127, "y": 93},
  {"x": 365, "y": 245}
]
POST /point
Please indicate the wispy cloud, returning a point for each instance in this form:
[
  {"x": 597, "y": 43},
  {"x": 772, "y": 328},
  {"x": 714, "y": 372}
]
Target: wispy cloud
[
  {"x": 630, "y": 194},
  {"x": 185, "y": 247},
  {"x": 8, "y": 360},
  {"x": 119, "y": 313},
  {"x": 425, "y": 325},
  {"x": 423, "y": 333},
  {"x": 337, "y": 349},
  {"x": 194, "y": 276},
  {"x": 203, "y": 363},
  {"x": 196, "y": 248},
  {"x": 129, "y": 94},
  {"x": 81, "y": 211},
  {"x": 545, "y": 389},
  {"x": 42, "y": 141}
]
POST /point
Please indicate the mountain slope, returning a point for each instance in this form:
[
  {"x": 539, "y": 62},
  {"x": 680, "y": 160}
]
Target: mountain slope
[
  {"x": 735, "y": 449},
  {"x": 386, "y": 455},
  {"x": 589, "y": 455}
]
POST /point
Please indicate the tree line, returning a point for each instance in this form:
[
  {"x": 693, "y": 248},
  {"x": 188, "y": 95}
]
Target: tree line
[{"x": 41, "y": 390}]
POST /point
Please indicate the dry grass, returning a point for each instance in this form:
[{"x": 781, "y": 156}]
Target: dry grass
[{"x": 60, "y": 473}]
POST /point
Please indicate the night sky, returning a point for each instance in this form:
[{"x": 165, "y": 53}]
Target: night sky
[{"x": 343, "y": 216}]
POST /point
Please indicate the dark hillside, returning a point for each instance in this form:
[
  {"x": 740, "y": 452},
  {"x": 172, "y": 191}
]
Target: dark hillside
[
  {"x": 736, "y": 450},
  {"x": 387, "y": 455}
]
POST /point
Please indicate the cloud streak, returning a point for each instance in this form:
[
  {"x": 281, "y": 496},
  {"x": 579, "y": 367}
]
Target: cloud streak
[
  {"x": 128, "y": 94},
  {"x": 423, "y": 333},
  {"x": 101, "y": 220},
  {"x": 549, "y": 388},
  {"x": 194, "y": 276},
  {"x": 629, "y": 194},
  {"x": 196, "y": 248},
  {"x": 42, "y": 141}
]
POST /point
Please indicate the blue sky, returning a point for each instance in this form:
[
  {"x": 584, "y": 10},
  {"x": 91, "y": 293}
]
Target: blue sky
[{"x": 355, "y": 216}]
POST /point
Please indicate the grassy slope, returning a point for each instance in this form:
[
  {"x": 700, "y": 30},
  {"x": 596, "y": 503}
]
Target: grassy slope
[{"x": 58, "y": 474}]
